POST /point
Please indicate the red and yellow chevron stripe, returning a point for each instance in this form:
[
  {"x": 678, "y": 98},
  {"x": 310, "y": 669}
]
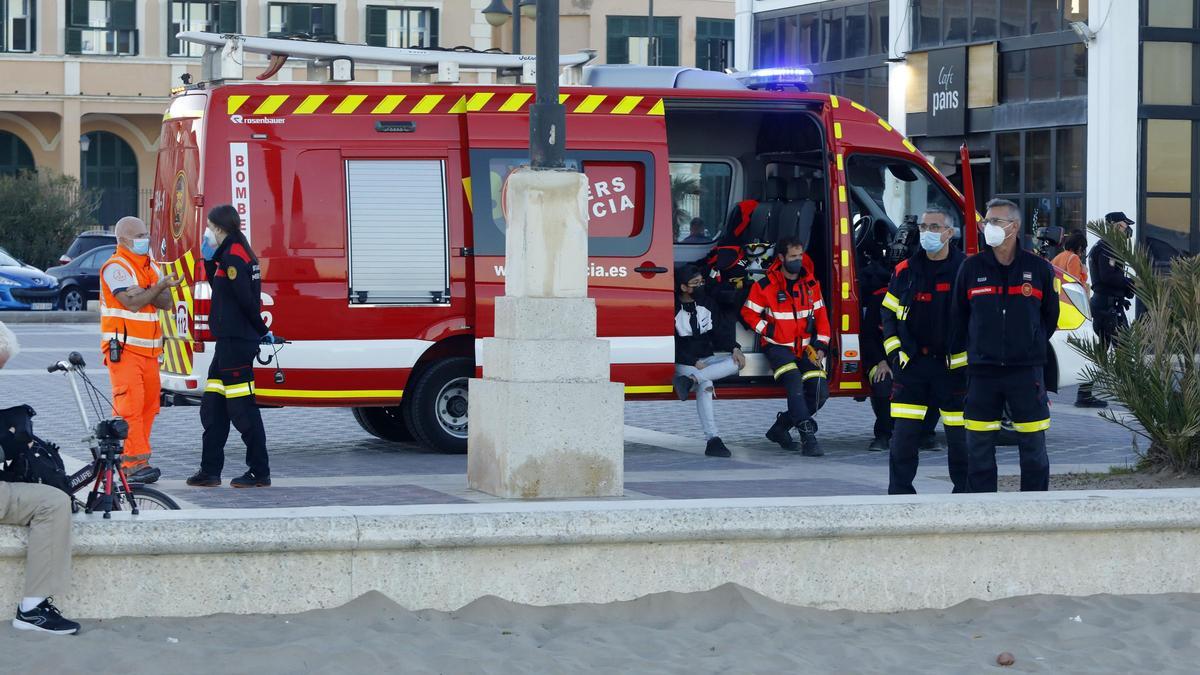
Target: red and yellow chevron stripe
[
  {"x": 406, "y": 103},
  {"x": 177, "y": 339}
]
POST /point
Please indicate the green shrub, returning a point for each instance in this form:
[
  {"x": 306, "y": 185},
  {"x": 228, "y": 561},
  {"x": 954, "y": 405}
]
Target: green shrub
[
  {"x": 40, "y": 214},
  {"x": 1154, "y": 368}
]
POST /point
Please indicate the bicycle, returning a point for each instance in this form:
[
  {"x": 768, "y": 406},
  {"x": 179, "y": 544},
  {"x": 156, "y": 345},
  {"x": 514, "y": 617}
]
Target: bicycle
[{"x": 111, "y": 489}]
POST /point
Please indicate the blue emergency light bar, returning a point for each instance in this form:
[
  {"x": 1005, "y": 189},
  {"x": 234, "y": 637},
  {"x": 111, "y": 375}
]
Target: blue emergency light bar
[{"x": 776, "y": 78}]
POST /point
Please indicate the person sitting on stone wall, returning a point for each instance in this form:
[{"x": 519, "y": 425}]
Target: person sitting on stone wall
[{"x": 46, "y": 511}]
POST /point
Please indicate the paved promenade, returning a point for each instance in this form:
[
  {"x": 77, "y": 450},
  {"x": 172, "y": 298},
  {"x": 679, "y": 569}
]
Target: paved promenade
[{"x": 321, "y": 456}]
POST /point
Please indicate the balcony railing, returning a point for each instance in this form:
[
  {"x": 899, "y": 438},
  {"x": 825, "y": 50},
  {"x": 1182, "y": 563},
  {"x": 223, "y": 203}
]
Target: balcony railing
[{"x": 102, "y": 41}]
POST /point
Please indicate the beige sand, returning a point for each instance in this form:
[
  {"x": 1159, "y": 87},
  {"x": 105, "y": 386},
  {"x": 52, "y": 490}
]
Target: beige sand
[{"x": 727, "y": 630}]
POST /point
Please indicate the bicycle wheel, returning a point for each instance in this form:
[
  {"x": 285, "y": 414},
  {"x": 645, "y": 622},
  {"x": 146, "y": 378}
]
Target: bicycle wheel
[{"x": 149, "y": 499}]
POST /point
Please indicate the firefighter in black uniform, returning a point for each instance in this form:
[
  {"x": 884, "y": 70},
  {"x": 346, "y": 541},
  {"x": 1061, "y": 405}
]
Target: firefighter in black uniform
[
  {"x": 873, "y": 277},
  {"x": 916, "y": 328},
  {"x": 1005, "y": 309},
  {"x": 236, "y": 322},
  {"x": 1111, "y": 290}
]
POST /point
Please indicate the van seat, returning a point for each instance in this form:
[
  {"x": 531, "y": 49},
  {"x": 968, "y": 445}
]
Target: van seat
[
  {"x": 764, "y": 222},
  {"x": 796, "y": 216}
]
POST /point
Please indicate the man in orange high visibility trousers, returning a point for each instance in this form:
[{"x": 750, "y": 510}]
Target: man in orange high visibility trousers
[{"x": 131, "y": 293}]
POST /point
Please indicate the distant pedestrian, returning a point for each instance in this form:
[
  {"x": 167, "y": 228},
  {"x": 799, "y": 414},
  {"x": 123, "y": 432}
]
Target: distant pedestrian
[
  {"x": 697, "y": 365},
  {"x": 697, "y": 233},
  {"x": 1070, "y": 260},
  {"x": 235, "y": 320},
  {"x": 1112, "y": 289},
  {"x": 1004, "y": 311}
]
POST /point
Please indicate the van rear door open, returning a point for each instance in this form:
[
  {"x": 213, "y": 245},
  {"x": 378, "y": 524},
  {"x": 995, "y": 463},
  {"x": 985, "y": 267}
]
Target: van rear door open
[{"x": 619, "y": 142}]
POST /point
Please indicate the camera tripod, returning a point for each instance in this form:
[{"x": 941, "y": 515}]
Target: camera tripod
[{"x": 111, "y": 490}]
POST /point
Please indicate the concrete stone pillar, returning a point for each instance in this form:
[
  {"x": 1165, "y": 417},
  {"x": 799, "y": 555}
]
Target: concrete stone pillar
[
  {"x": 68, "y": 142},
  {"x": 545, "y": 419}
]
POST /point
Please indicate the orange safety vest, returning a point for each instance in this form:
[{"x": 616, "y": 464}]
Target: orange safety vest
[{"x": 139, "y": 332}]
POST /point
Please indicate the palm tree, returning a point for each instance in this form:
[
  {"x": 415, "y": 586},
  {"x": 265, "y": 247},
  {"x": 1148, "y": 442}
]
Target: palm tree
[
  {"x": 1154, "y": 366},
  {"x": 683, "y": 186}
]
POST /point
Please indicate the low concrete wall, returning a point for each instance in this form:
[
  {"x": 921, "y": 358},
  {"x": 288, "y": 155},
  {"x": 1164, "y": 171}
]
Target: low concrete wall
[{"x": 858, "y": 553}]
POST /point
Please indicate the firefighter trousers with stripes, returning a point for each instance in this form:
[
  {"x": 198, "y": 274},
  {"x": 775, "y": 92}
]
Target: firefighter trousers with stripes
[
  {"x": 229, "y": 398},
  {"x": 806, "y": 383},
  {"x": 1023, "y": 391},
  {"x": 923, "y": 389}
]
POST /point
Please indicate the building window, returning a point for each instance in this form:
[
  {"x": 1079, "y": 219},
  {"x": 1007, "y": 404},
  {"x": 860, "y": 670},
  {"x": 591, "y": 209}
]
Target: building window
[
  {"x": 208, "y": 16},
  {"x": 629, "y": 40},
  {"x": 714, "y": 44},
  {"x": 14, "y": 154},
  {"x": 939, "y": 23},
  {"x": 311, "y": 20},
  {"x": 1043, "y": 171},
  {"x": 106, "y": 27},
  {"x": 18, "y": 33},
  {"x": 1169, "y": 193},
  {"x": 1043, "y": 74},
  {"x": 845, "y": 45},
  {"x": 405, "y": 27}
]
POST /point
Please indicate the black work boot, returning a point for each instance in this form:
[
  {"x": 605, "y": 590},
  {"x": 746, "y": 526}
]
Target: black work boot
[
  {"x": 145, "y": 474},
  {"x": 880, "y": 444},
  {"x": 808, "y": 439},
  {"x": 716, "y": 448},
  {"x": 250, "y": 480},
  {"x": 780, "y": 432}
]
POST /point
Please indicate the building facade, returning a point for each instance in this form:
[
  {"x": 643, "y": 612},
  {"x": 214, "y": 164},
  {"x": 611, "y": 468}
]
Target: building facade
[
  {"x": 84, "y": 83},
  {"x": 1071, "y": 108}
]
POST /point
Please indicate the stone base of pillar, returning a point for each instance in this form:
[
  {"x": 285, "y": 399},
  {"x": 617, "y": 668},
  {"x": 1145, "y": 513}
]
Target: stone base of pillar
[{"x": 546, "y": 439}]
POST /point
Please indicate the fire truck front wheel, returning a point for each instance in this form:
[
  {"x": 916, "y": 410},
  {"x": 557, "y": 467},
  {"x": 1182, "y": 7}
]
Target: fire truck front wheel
[
  {"x": 384, "y": 423},
  {"x": 437, "y": 405}
]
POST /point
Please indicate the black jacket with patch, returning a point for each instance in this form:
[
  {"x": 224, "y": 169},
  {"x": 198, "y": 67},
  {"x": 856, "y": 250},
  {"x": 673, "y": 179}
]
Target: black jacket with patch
[{"x": 236, "y": 281}]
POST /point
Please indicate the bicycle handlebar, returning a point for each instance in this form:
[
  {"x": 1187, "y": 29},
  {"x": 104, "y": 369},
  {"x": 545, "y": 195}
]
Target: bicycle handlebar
[{"x": 74, "y": 362}]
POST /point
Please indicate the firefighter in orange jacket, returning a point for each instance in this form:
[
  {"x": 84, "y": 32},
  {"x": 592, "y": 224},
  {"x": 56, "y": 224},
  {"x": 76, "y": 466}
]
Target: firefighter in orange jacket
[
  {"x": 131, "y": 293},
  {"x": 785, "y": 308}
]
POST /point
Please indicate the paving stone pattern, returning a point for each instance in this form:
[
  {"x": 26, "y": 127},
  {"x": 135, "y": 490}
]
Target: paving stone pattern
[{"x": 325, "y": 443}]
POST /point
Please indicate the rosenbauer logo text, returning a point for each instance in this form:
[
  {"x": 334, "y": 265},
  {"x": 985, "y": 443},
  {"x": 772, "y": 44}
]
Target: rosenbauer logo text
[{"x": 238, "y": 119}]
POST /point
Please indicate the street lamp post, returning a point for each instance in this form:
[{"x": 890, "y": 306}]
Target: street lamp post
[
  {"x": 547, "y": 117},
  {"x": 497, "y": 14}
]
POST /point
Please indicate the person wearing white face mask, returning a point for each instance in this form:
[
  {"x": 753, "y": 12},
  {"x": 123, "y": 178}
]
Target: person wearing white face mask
[
  {"x": 926, "y": 373},
  {"x": 131, "y": 293},
  {"x": 1005, "y": 309}
]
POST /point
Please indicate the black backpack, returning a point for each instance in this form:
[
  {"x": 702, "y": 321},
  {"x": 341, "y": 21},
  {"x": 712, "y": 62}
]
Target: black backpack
[{"x": 25, "y": 463}]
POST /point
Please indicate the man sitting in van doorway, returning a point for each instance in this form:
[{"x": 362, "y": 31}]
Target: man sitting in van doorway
[
  {"x": 786, "y": 310},
  {"x": 696, "y": 364}
]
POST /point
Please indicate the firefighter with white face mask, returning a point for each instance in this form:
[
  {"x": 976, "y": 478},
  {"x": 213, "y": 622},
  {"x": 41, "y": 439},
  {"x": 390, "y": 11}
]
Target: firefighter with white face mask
[
  {"x": 916, "y": 328},
  {"x": 1005, "y": 309}
]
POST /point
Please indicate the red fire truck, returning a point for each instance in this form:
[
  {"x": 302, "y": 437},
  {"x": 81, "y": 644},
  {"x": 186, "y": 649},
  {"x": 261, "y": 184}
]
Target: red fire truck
[{"x": 375, "y": 209}]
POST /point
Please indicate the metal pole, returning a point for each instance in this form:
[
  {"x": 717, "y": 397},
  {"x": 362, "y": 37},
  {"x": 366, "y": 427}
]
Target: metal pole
[
  {"x": 547, "y": 117},
  {"x": 652, "y": 56},
  {"x": 516, "y": 12}
]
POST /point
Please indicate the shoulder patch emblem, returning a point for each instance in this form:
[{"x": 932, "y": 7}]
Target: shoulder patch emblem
[{"x": 232, "y": 272}]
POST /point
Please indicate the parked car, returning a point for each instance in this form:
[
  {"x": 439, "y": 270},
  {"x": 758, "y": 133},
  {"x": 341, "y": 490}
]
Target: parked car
[
  {"x": 25, "y": 286},
  {"x": 79, "y": 280},
  {"x": 85, "y": 242}
]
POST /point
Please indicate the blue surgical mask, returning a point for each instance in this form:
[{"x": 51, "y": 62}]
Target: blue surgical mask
[
  {"x": 932, "y": 241},
  {"x": 140, "y": 246}
]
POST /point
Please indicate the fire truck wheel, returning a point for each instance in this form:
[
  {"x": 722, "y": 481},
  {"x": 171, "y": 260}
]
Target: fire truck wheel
[
  {"x": 385, "y": 423},
  {"x": 437, "y": 405}
]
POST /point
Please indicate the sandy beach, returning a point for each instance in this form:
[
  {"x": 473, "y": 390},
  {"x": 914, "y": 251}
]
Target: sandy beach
[{"x": 726, "y": 630}]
